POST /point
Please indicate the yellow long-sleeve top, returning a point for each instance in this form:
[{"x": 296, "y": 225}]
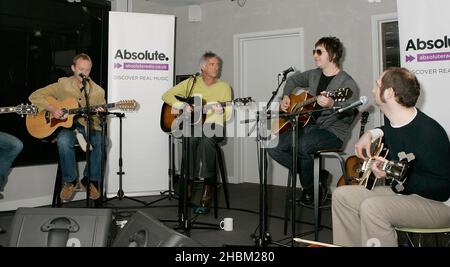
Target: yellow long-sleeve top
[
  {"x": 67, "y": 87},
  {"x": 220, "y": 91}
]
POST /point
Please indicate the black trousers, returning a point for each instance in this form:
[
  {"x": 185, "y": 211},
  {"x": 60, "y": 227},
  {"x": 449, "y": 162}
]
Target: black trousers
[{"x": 203, "y": 150}]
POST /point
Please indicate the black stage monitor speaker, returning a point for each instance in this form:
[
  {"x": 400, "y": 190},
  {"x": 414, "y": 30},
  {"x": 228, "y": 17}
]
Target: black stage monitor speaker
[
  {"x": 142, "y": 230},
  {"x": 62, "y": 227}
]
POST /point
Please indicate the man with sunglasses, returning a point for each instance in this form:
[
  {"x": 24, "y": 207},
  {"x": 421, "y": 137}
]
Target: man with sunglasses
[
  {"x": 364, "y": 217},
  {"x": 326, "y": 129}
]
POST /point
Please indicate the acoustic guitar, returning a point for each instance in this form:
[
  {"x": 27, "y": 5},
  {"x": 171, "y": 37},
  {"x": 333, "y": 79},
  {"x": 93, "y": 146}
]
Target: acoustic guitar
[
  {"x": 305, "y": 102},
  {"x": 19, "y": 109},
  {"x": 353, "y": 164},
  {"x": 44, "y": 124},
  {"x": 170, "y": 115}
]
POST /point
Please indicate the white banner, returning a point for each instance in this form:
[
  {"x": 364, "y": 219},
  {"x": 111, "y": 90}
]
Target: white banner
[
  {"x": 425, "y": 50},
  {"x": 140, "y": 67}
]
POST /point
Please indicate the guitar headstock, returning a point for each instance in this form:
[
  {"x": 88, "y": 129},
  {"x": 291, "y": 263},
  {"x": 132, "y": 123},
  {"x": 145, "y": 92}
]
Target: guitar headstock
[
  {"x": 242, "y": 101},
  {"x": 340, "y": 94},
  {"x": 127, "y": 105},
  {"x": 25, "y": 109},
  {"x": 396, "y": 169}
]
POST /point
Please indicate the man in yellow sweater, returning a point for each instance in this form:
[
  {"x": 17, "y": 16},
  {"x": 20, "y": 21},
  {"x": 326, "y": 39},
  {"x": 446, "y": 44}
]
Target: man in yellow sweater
[
  {"x": 214, "y": 93},
  {"x": 70, "y": 87}
]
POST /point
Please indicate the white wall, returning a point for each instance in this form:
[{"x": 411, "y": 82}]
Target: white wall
[{"x": 350, "y": 20}]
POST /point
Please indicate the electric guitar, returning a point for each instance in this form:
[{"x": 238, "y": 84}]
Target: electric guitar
[
  {"x": 170, "y": 115},
  {"x": 305, "y": 102},
  {"x": 20, "y": 109},
  {"x": 44, "y": 124},
  {"x": 353, "y": 164}
]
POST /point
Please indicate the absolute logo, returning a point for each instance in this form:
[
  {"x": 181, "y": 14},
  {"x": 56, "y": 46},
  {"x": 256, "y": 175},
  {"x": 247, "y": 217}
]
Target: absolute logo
[
  {"x": 419, "y": 44},
  {"x": 429, "y": 44},
  {"x": 146, "y": 55}
]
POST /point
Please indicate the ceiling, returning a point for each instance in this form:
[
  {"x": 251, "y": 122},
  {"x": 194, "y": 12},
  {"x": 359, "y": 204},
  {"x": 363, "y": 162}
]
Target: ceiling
[{"x": 182, "y": 2}]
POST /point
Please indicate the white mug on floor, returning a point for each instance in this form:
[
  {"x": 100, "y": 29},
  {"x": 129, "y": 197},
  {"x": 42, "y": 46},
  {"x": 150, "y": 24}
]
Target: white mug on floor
[{"x": 226, "y": 224}]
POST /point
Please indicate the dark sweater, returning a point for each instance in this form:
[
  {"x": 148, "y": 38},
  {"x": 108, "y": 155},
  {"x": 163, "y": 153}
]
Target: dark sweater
[{"x": 429, "y": 173}]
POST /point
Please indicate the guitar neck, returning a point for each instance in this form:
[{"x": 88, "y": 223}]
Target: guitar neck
[
  {"x": 314, "y": 99},
  {"x": 310, "y": 100},
  {"x": 208, "y": 106},
  {"x": 7, "y": 110},
  {"x": 76, "y": 110}
]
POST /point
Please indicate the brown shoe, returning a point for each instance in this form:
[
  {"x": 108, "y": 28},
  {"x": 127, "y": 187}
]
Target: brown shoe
[
  {"x": 67, "y": 191},
  {"x": 93, "y": 191},
  {"x": 207, "y": 195}
]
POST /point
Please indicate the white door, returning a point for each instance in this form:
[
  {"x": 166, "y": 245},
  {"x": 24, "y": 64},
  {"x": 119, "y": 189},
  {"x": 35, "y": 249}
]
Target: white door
[{"x": 258, "y": 58}]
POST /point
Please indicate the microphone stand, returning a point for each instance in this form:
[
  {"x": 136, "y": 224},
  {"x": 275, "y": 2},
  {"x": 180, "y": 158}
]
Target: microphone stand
[
  {"x": 88, "y": 138},
  {"x": 264, "y": 238}
]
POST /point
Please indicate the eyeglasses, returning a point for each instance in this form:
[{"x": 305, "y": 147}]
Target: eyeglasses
[{"x": 318, "y": 51}]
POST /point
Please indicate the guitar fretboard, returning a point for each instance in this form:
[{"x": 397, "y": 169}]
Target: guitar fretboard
[
  {"x": 76, "y": 110},
  {"x": 6, "y": 110}
]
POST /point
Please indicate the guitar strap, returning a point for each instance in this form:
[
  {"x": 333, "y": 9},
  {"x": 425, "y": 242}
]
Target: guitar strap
[{"x": 194, "y": 79}]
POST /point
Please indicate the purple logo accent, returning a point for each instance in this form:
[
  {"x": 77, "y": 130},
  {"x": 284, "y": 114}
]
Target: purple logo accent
[
  {"x": 409, "y": 58},
  {"x": 145, "y": 66},
  {"x": 433, "y": 57},
  {"x": 117, "y": 65}
]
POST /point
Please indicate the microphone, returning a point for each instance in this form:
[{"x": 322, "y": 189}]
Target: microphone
[
  {"x": 362, "y": 101},
  {"x": 285, "y": 72},
  {"x": 196, "y": 74},
  {"x": 84, "y": 77}
]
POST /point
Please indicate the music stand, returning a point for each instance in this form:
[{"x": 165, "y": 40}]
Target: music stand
[{"x": 120, "y": 194}]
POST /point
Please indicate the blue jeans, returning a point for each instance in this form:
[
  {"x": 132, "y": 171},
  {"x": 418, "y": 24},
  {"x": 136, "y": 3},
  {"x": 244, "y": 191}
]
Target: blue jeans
[
  {"x": 66, "y": 140},
  {"x": 10, "y": 147},
  {"x": 310, "y": 139}
]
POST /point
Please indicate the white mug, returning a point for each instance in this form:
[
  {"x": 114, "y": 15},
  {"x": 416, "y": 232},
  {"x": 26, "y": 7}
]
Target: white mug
[{"x": 226, "y": 224}]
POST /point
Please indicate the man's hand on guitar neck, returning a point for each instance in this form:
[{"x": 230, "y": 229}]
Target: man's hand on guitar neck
[
  {"x": 380, "y": 174},
  {"x": 325, "y": 101},
  {"x": 217, "y": 108}
]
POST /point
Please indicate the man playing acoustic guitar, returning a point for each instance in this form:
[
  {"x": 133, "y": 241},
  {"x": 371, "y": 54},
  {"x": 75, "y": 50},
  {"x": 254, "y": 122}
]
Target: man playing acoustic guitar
[
  {"x": 326, "y": 129},
  {"x": 363, "y": 217},
  {"x": 212, "y": 90},
  {"x": 70, "y": 87}
]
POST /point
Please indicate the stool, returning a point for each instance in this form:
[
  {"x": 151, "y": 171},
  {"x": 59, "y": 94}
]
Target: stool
[
  {"x": 318, "y": 162},
  {"x": 420, "y": 231}
]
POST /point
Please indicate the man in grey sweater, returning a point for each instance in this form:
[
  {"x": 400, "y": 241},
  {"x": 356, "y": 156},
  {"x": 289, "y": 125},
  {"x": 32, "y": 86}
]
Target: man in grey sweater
[{"x": 325, "y": 129}]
